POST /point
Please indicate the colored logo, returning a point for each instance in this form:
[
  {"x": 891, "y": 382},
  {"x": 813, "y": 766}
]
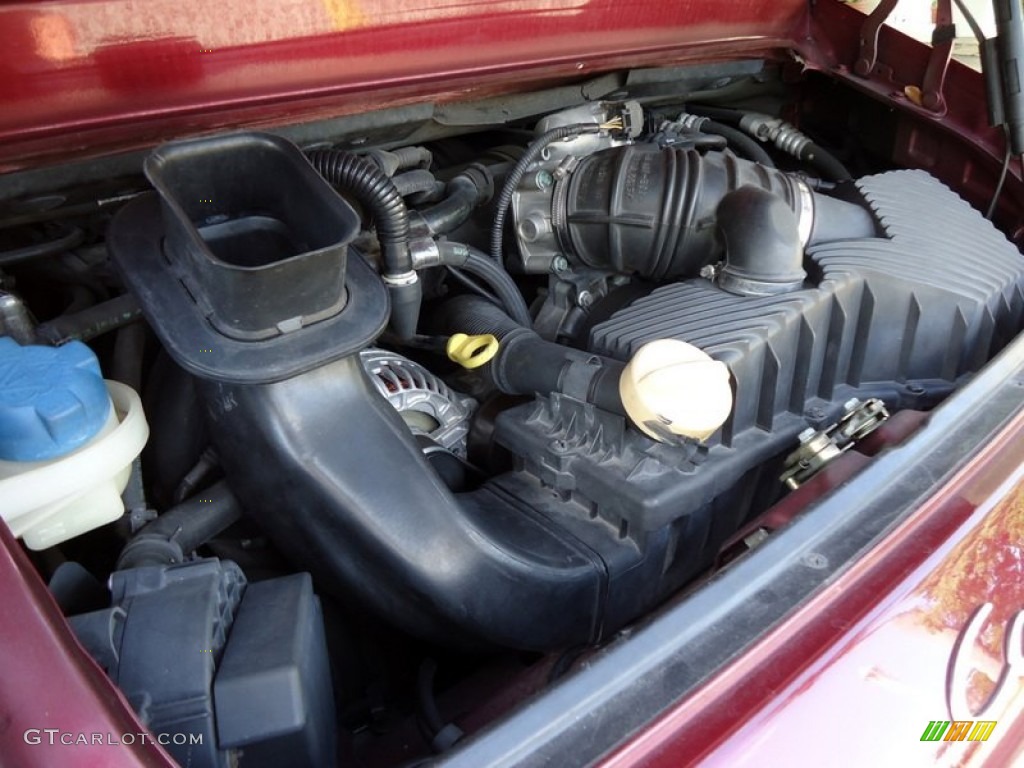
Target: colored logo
[{"x": 958, "y": 730}]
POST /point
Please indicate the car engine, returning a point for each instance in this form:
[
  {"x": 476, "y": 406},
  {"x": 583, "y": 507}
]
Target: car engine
[{"x": 504, "y": 393}]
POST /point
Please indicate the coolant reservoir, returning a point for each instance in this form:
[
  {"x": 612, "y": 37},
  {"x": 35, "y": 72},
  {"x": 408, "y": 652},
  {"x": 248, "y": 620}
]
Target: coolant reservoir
[{"x": 67, "y": 442}]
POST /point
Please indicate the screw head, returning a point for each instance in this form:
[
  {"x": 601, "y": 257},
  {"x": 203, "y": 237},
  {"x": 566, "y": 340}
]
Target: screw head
[
  {"x": 584, "y": 299},
  {"x": 559, "y": 264}
]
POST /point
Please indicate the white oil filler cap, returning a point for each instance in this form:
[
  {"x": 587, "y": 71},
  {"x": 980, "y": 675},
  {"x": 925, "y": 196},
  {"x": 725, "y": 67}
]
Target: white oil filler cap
[{"x": 671, "y": 389}]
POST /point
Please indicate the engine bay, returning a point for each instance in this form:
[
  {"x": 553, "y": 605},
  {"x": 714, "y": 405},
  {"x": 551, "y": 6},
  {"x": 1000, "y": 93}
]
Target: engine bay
[{"x": 431, "y": 420}]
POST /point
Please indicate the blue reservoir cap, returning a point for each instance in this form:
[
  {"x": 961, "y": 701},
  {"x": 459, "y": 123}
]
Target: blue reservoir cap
[{"x": 52, "y": 400}]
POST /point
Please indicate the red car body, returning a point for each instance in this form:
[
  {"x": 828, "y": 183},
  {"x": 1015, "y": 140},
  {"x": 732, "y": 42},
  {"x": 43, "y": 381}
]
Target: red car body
[{"x": 893, "y": 601}]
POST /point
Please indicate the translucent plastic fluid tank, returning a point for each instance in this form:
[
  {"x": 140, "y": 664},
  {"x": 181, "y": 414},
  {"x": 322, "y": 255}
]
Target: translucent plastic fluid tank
[{"x": 67, "y": 441}]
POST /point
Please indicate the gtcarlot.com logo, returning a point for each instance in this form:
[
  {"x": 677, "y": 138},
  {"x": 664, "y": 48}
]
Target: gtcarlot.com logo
[{"x": 55, "y": 736}]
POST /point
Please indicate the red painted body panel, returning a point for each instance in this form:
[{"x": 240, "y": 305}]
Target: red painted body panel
[
  {"x": 864, "y": 661},
  {"x": 854, "y": 676},
  {"x": 120, "y": 74}
]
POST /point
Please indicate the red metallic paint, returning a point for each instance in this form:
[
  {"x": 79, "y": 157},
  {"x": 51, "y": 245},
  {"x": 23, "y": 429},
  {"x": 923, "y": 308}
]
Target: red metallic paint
[
  {"x": 80, "y": 76},
  {"x": 853, "y": 677},
  {"x": 866, "y": 657}
]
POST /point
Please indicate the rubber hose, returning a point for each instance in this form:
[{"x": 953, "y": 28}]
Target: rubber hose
[
  {"x": 411, "y": 182},
  {"x": 374, "y": 190},
  {"x": 519, "y": 170},
  {"x": 825, "y": 162},
  {"x": 739, "y": 141},
  {"x": 377, "y": 193},
  {"x": 91, "y": 322},
  {"x": 463, "y": 194},
  {"x": 66, "y": 242},
  {"x": 478, "y": 264},
  {"x": 526, "y": 364},
  {"x": 812, "y": 153},
  {"x": 413, "y": 157},
  {"x": 182, "y": 529}
]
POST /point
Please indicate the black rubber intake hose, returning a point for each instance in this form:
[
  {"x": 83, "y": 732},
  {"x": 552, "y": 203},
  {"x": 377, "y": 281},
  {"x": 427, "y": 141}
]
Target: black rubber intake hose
[
  {"x": 497, "y": 279},
  {"x": 762, "y": 244},
  {"x": 369, "y": 518},
  {"x": 182, "y": 529},
  {"x": 664, "y": 228},
  {"x": 526, "y": 364},
  {"x": 519, "y": 170},
  {"x": 463, "y": 194},
  {"x": 368, "y": 184}
]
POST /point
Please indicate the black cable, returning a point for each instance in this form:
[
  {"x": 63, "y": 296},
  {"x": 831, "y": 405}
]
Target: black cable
[
  {"x": 1002, "y": 178},
  {"x": 971, "y": 21},
  {"x": 472, "y": 285},
  {"x": 519, "y": 170}
]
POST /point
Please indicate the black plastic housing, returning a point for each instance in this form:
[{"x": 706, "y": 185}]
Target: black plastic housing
[
  {"x": 259, "y": 284},
  {"x": 229, "y": 666},
  {"x": 260, "y": 238},
  {"x": 905, "y": 317},
  {"x": 353, "y": 499}
]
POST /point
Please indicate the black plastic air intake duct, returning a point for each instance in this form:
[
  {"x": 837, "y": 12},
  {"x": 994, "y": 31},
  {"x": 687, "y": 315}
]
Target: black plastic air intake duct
[
  {"x": 318, "y": 456},
  {"x": 649, "y": 211},
  {"x": 335, "y": 478}
]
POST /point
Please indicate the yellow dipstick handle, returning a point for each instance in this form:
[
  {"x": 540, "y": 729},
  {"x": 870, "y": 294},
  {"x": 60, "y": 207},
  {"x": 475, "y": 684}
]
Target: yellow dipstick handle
[{"x": 471, "y": 351}]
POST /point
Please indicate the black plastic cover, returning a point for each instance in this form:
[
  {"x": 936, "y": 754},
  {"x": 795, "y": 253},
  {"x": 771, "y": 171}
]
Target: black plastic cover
[
  {"x": 159, "y": 642},
  {"x": 201, "y": 655},
  {"x": 273, "y": 686}
]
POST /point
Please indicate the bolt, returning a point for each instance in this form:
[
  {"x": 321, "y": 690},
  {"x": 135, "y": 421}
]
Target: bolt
[
  {"x": 851, "y": 404},
  {"x": 584, "y": 299},
  {"x": 559, "y": 264},
  {"x": 709, "y": 272},
  {"x": 544, "y": 179},
  {"x": 815, "y": 412},
  {"x": 806, "y": 435},
  {"x": 815, "y": 560}
]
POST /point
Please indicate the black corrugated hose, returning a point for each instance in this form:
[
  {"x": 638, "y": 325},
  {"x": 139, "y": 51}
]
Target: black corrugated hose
[{"x": 377, "y": 193}]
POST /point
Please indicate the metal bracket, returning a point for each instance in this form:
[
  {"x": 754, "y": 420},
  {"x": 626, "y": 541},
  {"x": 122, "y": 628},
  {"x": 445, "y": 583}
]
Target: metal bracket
[
  {"x": 819, "y": 448},
  {"x": 930, "y": 95}
]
